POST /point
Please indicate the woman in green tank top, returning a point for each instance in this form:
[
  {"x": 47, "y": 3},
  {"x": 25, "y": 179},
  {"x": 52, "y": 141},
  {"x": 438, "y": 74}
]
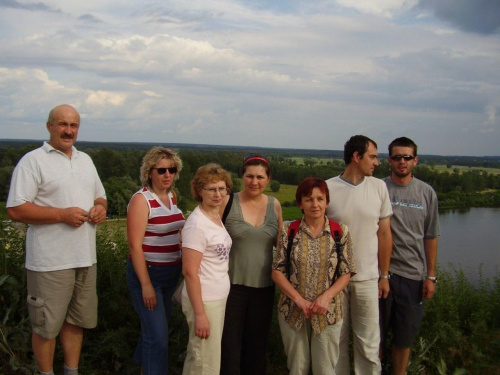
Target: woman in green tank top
[{"x": 253, "y": 221}]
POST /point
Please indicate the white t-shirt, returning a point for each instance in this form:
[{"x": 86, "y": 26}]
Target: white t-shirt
[
  {"x": 47, "y": 177},
  {"x": 360, "y": 207},
  {"x": 203, "y": 235}
]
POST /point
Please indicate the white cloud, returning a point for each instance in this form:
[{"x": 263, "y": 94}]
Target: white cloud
[
  {"x": 250, "y": 73},
  {"x": 383, "y": 8}
]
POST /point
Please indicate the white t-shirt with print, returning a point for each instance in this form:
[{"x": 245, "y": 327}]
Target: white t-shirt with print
[{"x": 203, "y": 235}]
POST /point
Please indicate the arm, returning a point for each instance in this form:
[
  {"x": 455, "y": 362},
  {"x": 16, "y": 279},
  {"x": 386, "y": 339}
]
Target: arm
[
  {"x": 320, "y": 304},
  {"x": 191, "y": 261},
  {"x": 279, "y": 214},
  {"x": 97, "y": 214},
  {"x": 30, "y": 213},
  {"x": 137, "y": 221},
  {"x": 384, "y": 254},
  {"x": 430, "y": 247},
  {"x": 292, "y": 293}
]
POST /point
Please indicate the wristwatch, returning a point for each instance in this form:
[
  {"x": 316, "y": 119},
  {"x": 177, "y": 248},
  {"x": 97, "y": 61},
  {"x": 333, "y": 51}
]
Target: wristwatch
[
  {"x": 386, "y": 277},
  {"x": 432, "y": 278}
]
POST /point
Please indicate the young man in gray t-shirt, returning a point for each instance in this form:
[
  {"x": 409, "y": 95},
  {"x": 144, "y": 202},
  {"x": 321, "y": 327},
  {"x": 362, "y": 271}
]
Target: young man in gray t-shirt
[{"x": 415, "y": 228}]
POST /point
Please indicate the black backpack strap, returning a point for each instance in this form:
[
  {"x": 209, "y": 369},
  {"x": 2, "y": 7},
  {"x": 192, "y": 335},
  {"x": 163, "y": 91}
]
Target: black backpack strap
[
  {"x": 228, "y": 208},
  {"x": 337, "y": 236}
]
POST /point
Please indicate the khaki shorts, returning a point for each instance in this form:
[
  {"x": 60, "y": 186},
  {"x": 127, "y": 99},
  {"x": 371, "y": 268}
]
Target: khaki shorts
[{"x": 64, "y": 295}]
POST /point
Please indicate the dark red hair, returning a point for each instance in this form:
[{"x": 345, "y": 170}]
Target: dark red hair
[{"x": 307, "y": 185}]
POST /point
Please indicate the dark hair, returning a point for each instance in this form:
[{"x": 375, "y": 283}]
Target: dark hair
[
  {"x": 307, "y": 185},
  {"x": 357, "y": 143},
  {"x": 256, "y": 159},
  {"x": 403, "y": 142}
]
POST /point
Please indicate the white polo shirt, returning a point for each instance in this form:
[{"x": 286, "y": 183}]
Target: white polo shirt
[{"x": 47, "y": 177}]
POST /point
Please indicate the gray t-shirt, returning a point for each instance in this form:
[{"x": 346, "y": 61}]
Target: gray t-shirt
[{"x": 415, "y": 218}]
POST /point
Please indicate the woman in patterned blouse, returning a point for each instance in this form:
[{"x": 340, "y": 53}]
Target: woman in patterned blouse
[{"x": 310, "y": 304}]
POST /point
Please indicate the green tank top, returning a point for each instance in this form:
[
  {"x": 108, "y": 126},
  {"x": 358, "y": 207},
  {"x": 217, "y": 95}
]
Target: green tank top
[{"x": 251, "y": 255}]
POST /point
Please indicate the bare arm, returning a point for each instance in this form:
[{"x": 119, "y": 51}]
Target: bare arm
[
  {"x": 292, "y": 293},
  {"x": 279, "y": 214},
  {"x": 384, "y": 254},
  {"x": 30, "y": 213},
  {"x": 137, "y": 221},
  {"x": 191, "y": 260},
  {"x": 430, "y": 247}
]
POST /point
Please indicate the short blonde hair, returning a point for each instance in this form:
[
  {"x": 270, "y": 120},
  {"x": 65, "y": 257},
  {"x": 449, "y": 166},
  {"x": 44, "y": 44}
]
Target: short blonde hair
[
  {"x": 152, "y": 158},
  {"x": 206, "y": 174}
]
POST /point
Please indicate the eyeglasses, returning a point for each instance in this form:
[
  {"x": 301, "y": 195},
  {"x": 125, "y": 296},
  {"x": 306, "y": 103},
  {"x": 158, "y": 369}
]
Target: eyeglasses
[
  {"x": 171, "y": 170},
  {"x": 212, "y": 191},
  {"x": 405, "y": 157},
  {"x": 254, "y": 156}
]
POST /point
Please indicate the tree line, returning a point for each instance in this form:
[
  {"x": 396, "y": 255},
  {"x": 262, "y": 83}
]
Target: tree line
[{"x": 119, "y": 172}]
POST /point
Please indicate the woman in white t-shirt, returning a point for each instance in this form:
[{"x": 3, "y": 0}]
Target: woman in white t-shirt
[{"x": 205, "y": 259}]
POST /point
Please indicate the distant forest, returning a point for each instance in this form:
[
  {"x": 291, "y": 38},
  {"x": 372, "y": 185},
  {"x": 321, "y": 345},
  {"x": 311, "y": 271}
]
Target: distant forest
[{"x": 118, "y": 166}]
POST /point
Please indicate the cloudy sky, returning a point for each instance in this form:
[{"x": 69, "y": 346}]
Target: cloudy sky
[{"x": 277, "y": 73}]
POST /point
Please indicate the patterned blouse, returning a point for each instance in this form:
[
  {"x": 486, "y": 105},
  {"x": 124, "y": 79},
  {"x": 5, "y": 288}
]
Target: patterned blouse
[{"x": 312, "y": 269}]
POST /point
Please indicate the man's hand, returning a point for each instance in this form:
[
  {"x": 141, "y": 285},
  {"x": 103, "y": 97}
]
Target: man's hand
[
  {"x": 383, "y": 288},
  {"x": 74, "y": 216},
  {"x": 428, "y": 289},
  {"x": 97, "y": 214}
]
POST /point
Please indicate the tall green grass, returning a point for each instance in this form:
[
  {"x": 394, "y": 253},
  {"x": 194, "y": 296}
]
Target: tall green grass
[{"x": 460, "y": 331}]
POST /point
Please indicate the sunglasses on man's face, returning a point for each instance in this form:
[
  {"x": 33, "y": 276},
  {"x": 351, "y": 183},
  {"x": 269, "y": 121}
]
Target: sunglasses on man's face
[
  {"x": 171, "y": 170},
  {"x": 405, "y": 157}
]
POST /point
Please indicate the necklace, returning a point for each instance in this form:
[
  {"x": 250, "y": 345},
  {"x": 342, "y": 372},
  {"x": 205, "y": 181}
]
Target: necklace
[{"x": 214, "y": 218}]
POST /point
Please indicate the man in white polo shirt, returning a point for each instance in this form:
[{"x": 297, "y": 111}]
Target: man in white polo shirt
[
  {"x": 362, "y": 203},
  {"x": 55, "y": 189}
]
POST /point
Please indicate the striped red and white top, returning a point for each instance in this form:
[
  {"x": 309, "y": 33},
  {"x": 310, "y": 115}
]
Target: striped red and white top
[{"x": 161, "y": 240}]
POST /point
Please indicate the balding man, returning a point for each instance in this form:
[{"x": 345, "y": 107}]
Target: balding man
[{"x": 55, "y": 189}]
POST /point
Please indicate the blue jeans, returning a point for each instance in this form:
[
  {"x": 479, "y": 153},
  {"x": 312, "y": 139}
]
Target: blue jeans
[{"x": 152, "y": 349}]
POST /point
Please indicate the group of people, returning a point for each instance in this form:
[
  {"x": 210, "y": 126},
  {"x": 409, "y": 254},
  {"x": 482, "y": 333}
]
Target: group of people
[{"x": 362, "y": 258}]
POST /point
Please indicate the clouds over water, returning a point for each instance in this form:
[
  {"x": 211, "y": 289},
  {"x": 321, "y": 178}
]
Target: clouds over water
[{"x": 277, "y": 73}]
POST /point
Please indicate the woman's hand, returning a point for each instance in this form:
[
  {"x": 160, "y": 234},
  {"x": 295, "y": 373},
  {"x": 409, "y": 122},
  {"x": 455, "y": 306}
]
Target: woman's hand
[
  {"x": 149, "y": 297},
  {"x": 304, "y": 305},
  {"x": 320, "y": 305},
  {"x": 202, "y": 326}
]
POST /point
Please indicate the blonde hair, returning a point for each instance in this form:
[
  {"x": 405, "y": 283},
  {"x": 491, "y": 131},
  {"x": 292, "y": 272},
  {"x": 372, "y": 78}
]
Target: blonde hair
[
  {"x": 206, "y": 174},
  {"x": 152, "y": 158}
]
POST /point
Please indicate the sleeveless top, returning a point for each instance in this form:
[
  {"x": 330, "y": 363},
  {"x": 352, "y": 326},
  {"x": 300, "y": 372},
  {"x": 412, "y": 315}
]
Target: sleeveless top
[
  {"x": 161, "y": 240},
  {"x": 251, "y": 257}
]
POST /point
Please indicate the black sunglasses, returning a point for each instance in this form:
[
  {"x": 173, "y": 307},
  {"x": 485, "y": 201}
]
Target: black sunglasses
[
  {"x": 399, "y": 157},
  {"x": 171, "y": 170}
]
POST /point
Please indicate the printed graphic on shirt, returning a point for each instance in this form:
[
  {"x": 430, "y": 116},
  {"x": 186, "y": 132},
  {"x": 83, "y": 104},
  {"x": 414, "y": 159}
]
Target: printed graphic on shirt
[
  {"x": 395, "y": 201},
  {"x": 222, "y": 251}
]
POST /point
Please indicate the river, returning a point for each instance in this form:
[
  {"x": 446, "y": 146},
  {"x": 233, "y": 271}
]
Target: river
[{"x": 470, "y": 239}]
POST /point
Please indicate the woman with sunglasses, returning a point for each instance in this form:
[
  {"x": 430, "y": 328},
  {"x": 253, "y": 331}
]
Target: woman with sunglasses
[
  {"x": 205, "y": 255},
  {"x": 253, "y": 221},
  {"x": 154, "y": 223}
]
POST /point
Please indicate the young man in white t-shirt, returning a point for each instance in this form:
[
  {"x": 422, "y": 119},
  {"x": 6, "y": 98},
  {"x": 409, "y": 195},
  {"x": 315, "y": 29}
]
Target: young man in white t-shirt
[{"x": 362, "y": 203}]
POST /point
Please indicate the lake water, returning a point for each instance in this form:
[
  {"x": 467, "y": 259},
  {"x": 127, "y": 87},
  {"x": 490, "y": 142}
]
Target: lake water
[{"x": 470, "y": 239}]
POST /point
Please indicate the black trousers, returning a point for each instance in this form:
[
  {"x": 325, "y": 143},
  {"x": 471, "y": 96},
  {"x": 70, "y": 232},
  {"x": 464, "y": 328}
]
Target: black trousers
[{"x": 246, "y": 330}]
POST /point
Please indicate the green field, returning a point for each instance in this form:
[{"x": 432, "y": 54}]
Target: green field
[{"x": 462, "y": 169}]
